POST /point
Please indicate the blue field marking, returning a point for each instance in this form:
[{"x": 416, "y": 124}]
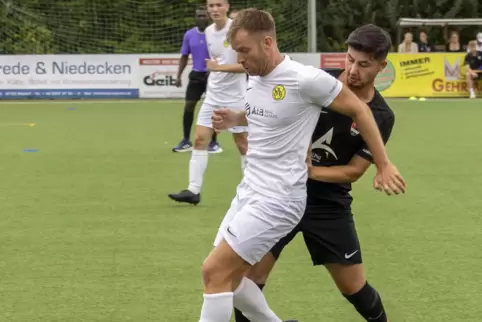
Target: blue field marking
[{"x": 31, "y": 150}]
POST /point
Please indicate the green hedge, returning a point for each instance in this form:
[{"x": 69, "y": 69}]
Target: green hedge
[{"x": 135, "y": 26}]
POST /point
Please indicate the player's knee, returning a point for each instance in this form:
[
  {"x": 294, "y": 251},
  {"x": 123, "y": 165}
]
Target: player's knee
[
  {"x": 201, "y": 140},
  {"x": 189, "y": 106},
  {"x": 352, "y": 287},
  {"x": 219, "y": 277},
  {"x": 348, "y": 278},
  {"x": 213, "y": 274},
  {"x": 258, "y": 275}
]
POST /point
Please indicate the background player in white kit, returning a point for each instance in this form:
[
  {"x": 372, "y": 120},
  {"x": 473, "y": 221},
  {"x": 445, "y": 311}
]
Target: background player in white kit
[
  {"x": 284, "y": 100},
  {"x": 226, "y": 88}
]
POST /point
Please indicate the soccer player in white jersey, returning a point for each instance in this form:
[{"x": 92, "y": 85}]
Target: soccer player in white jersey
[
  {"x": 284, "y": 101},
  {"x": 226, "y": 88}
]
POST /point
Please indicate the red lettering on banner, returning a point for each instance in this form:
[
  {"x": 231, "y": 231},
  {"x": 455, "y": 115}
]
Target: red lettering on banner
[
  {"x": 160, "y": 61},
  {"x": 332, "y": 60}
]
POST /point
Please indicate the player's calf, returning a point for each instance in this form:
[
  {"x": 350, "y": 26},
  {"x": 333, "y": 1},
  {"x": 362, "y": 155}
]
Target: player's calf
[
  {"x": 259, "y": 274},
  {"x": 224, "y": 283},
  {"x": 368, "y": 304},
  {"x": 350, "y": 280}
]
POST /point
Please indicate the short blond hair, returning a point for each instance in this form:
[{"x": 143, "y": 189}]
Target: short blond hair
[{"x": 253, "y": 21}]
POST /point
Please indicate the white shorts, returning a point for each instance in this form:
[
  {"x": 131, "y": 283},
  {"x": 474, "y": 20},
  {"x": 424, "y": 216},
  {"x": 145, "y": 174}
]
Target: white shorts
[
  {"x": 204, "y": 117},
  {"x": 255, "y": 223}
]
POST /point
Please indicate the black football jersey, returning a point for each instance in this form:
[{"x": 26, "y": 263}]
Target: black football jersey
[{"x": 335, "y": 142}]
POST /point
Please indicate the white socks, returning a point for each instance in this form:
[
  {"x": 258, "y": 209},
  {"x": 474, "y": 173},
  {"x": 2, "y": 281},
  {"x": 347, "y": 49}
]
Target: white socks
[
  {"x": 197, "y": 166},
  {"x": 250, "y": 300},
  {"x": 217, "y": 307}
]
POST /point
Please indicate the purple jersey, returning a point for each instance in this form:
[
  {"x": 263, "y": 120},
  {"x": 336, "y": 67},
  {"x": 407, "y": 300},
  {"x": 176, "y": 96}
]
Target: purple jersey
[{"x": 194, "y": 43}]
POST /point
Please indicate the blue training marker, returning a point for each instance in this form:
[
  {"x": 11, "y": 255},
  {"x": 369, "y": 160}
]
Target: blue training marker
[
  {"x": 71, "y": 108},
  {"x": 31, "y": 150}
]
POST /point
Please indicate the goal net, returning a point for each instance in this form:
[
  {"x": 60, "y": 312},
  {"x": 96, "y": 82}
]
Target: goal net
[{"x": 124, "y": 26}]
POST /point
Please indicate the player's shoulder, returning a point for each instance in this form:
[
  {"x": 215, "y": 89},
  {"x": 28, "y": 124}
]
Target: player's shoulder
[
  {"x": 335, "y": 72},
  {"x": 189, "y": 32},
  {"x": 302, "y": 73},
  {"x": 380, "y": 108},
  {"x": 210, "y": 28}
]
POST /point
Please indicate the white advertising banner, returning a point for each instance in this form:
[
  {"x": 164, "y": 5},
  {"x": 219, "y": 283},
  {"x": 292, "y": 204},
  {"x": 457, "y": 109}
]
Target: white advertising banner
[
  {"x": 68, "y": 76},
  {"x": 99, "y": 76},
  {"x": 157, "y": 76}
]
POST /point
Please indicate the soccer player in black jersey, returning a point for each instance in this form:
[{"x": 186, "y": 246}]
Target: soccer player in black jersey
[{"x": 340, "y": 157}]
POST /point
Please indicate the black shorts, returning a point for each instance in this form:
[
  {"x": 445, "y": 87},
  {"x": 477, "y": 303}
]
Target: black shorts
[
  {"x": 196, "y": 87},
  {"x": 330, "y": 238}
]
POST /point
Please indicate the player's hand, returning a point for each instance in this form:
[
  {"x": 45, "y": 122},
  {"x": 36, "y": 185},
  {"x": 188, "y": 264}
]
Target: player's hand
[
  {"x": 224, "y": 118},
  {"x": 212, "y": 65},
  {"x": 388, "y": 179},
  {"x": 178, "y": 82}
]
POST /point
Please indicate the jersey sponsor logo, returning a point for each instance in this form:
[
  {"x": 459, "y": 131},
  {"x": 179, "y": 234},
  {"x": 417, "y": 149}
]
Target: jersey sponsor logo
[
  {"x": 353, "y": 130},
  {"x": 323, "y": 143},
  {"x": 259, "y": 111},
  {"x": 226, "y": 43},
  {"x": 279, "y": 92}
]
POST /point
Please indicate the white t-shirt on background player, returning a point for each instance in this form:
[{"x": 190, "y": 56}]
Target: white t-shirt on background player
[{"x": 223, "y": 89}]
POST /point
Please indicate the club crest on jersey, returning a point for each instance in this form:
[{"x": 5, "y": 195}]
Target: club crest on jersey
[
  {"x": 353, "y": 130},
  {"x": 279, "y": 92},
  {"x": 226, "y": 43}
]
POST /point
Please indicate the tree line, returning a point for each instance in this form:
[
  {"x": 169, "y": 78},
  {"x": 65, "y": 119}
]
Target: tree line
[{"x": 156, "y": 26}]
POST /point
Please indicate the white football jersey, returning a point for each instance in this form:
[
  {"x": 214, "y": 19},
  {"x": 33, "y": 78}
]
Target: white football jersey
[
  {"x": 282, "y": 110},
  {"x": 223, "y": 88}
]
